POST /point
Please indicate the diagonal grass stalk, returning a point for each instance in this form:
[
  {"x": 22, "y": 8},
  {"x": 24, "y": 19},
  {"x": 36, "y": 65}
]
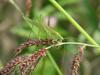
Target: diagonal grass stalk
[{"x": 75, "y": 24}]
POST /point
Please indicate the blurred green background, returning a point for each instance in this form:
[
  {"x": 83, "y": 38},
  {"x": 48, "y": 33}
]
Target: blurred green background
[{"x": 14, "y": 31}]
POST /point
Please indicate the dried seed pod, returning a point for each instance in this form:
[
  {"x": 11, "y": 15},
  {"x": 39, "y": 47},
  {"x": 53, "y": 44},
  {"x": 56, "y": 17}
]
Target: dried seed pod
[
  {"x": 11, "y": 64},
  {"x": 31, "y": 60},
  {"x": 36, "y": 42},
  {"x": 32, "y": 66},
  {"x": 75, "y": 65},
  {"x": 28, "y": 7},
  {"x": 76, "y": 62},
  {"x": 23, "y": 45}
]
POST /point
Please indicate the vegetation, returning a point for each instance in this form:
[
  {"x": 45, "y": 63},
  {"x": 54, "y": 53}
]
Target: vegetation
[{"x": 49, "y": 38}]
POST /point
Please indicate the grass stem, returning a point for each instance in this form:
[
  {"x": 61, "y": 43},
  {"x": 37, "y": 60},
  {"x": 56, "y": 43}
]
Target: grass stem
[{"x": 75, "y": 24}]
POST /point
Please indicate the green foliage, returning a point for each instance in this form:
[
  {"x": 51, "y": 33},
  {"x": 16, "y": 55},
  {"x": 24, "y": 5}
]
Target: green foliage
[{"x": 34, "y": 27}]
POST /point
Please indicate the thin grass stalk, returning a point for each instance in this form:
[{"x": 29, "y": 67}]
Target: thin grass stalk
[{"x": 75, "y": 24}]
